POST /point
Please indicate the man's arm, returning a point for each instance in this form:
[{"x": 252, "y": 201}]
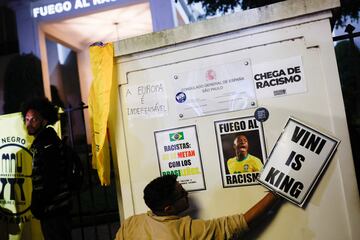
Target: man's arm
[{"x": 260, "y": 208}]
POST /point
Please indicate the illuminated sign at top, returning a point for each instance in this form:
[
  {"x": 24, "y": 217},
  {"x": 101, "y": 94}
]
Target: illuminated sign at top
[{"x": 65, "y": 6}]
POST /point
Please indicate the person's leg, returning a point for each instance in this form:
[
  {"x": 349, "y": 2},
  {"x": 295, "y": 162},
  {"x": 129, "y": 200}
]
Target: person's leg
[{"x": 56, "y": 228}]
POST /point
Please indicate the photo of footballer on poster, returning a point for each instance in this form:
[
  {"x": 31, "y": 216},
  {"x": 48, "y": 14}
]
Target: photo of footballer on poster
[{"x": 241, "y": 148}]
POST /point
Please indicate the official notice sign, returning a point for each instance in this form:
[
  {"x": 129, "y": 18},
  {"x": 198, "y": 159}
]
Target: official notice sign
[
  {"x": 215, "y": 89},
  {"x": 297, "y": 161},
  {"x": 179, "y": 154}
]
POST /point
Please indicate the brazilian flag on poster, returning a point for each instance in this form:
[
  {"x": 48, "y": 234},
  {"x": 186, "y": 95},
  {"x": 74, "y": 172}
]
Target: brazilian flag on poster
[{"x": 176, "y": 136}]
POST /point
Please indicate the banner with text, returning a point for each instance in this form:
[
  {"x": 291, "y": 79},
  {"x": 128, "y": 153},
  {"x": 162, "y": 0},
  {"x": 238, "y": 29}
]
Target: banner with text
[
  {"x": 179, "y": 154},
  {"x": 296, "y": 162},
  {"x": 15, "y": 176},
  {"x": 241, "y": 148}
]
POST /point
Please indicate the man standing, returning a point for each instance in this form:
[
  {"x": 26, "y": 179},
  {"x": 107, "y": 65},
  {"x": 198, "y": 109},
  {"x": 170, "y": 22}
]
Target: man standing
[
  {"x": 243, "y": 160},
  {"x": 51, "y": 198},
  {"x": 167, "y": 199}
]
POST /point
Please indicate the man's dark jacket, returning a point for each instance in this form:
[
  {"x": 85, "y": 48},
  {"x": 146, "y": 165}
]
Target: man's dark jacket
[{"x": 50, "y": 195}]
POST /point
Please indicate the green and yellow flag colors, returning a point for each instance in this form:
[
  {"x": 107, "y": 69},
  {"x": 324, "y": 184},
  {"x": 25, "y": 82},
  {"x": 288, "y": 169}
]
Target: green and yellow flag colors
[
  {"x": 101, "y": 59},
  {"x": 176, "y": 136}
]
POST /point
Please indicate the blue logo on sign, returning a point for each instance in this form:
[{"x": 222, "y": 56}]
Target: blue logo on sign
[
  {"x": 261, "y": 114},
  {"x": 180, "y": 97}
]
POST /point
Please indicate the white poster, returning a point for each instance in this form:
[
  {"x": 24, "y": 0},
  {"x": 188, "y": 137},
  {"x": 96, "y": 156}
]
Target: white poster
[
  {"x": 297, "y": 161},
  {"x": 148, "y": 100},
  {"x": 241, "y": 149},
  {"x": 179, "y": 154},
  {"x": 215, "y": 89},
  {"x": 279, "y": 78}
]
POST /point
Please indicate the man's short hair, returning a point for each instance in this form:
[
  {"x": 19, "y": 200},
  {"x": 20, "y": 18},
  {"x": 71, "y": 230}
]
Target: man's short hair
[
  {"x": 160, "y": 192},
  {"x": 43, "y": 106}
]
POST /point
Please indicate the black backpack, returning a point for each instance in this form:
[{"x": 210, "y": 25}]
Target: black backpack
[{"x": 74, "y": 167}]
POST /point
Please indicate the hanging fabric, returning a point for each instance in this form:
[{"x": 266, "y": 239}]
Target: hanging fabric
[{"x": 101, "y": 59}]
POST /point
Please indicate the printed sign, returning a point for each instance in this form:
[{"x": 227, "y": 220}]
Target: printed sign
[
  {"x": 241, "y": 149},
  {"x": 15, "y": 173},
  {"x": 216, "y": 89},
  {"x": 279, "y": 78},
  {"x": 147, "y": 100},
  {"x": 178, "y": 154},
  {"x": 58, "y": 7},
  {"x": 297, "y": 161}
]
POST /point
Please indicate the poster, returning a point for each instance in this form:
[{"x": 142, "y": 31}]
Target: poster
[
  {"x": 148, "y": 100},
  {"x": 15, "y": 176},
  {"x": 279, "y": 78},
  {"x": 215, "y": 89},
  {"x": 16, "y": 220},
  {"x": 296, "y": 162},
  {"x": 178, "y": 153},
  {"x": 241, "y": 148}
]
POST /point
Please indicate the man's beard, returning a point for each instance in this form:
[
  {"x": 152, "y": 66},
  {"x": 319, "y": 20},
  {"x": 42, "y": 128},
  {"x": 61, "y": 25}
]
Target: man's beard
[{"x": 33, "y": 132}]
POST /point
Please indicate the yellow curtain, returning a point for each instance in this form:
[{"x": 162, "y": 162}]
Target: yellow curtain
[{"x": 101, "y": 59}]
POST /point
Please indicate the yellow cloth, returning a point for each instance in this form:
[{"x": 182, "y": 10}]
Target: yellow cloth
[
  {"x": 150, "y": 226},
  {"x": 101, "y": 59}
]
